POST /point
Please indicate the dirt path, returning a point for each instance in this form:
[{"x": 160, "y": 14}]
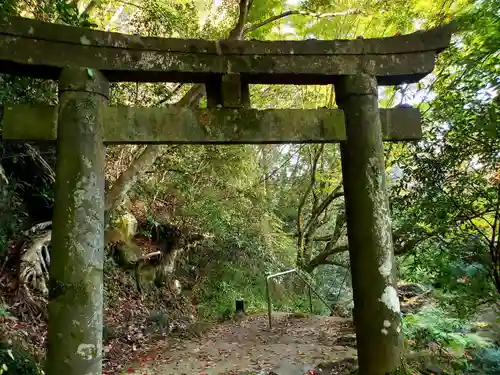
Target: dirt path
[{"x": 293, "y": 345}]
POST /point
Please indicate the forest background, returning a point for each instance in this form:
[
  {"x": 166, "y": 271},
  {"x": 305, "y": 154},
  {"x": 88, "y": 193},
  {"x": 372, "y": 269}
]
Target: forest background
[{"x": 267, "y": 208}]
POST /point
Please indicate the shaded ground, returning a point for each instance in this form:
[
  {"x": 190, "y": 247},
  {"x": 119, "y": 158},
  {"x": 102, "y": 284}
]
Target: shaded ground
[{"x": 293, "y": 345}]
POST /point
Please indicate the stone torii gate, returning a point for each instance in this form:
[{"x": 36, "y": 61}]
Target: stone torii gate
[{"x": 84, "y": 61}]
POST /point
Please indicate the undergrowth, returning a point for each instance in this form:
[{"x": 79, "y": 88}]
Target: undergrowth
[
  {"x": 14, "y": 361},
  {"x": 436, "y": 340}
]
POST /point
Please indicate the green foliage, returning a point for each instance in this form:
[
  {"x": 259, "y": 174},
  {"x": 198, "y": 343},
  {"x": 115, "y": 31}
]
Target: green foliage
[
  {"x": 8, "y": 7},
  {"x": 226, "y": 284},
  {"x": 450, "y": 188},
  {"x": 248, "y": 197},
  {"x": 461, "y": 284},
  {"x": 449, "y": 342},
  {"x": 13, "y": 215},
  {"x": 486, "y": 361},
  {"x": 4, "y": 310},
  {"x": 433, "y": 325},
  {"x": 14, "y": 361},
  {"x": 169, "y": 18}
]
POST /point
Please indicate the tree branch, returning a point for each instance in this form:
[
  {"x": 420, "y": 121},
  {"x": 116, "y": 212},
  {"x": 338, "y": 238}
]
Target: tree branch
[
  {"x": 495, "y": 247},
  {"x": 275, "y": 170},
  {"x": 322, "y": 257},
  {"x": 3, "y": 177},
  {"x": 314, "y": 167},
  {"x": 129, "y": 3},
  {"x": 302, "y": 202},
  {"x": 238, "y": 31},
  {"x": 90, "y": 6},
  {"x": 33, "y": 152},
  {"x": 400, "y": 247},
  {"x": 144, "y": 161},
  {"x": 336, "y": 193},
  {"x": 334, "y": 263},
  {"x": 175, "y": 90},
  {"x": 288, "y": 13}
]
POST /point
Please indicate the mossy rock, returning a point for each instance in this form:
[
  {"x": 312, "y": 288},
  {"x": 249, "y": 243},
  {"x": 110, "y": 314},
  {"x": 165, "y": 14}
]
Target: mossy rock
[
  {"x": 159, "y": 321},
  {"x": 299, "y": 315},
  {"x": 126, "y": 223},
  {"x": 126, "y": 254}
]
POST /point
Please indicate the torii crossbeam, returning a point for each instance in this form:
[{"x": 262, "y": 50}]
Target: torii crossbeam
[{"x": 84, "y": 61}]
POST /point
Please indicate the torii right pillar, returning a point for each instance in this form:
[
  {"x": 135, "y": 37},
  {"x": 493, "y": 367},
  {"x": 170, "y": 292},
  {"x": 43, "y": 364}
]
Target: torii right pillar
[{"x": 376, "y": 304}]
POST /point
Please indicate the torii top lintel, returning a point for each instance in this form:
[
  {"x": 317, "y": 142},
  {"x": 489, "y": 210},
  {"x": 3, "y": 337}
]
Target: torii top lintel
[{"x": 40, "y": 49}]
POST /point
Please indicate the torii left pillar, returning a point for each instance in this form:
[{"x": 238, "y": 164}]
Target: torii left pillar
[{"x": 76, "y": 272}]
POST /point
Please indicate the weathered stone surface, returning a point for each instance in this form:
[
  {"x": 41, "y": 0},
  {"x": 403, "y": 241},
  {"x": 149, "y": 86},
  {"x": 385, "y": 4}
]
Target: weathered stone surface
[
  {"x": 41, "y": 50},
  {"x": 184, "y": 125},
  {"x": 232, "y": 95},
  {"x": 229, "y": 91},
  {"x": 29, "y": 122},
  {"x": 400, "y": 124},
  {"x": 376, "y": 303},
  {"x": 76, "y": 269},
  {"x": 432, "y": 40}
]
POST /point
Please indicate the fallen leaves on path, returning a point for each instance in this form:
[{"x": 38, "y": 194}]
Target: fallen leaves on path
[{"x": 235, "y": 347}]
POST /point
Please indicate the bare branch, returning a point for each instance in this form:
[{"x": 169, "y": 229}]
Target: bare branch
[
  {"x": 317, "y": 155},
  {"x": 275, "y": 170},
  {"x": 336, "y": 193},
  {"x": 90, "y": 6},
  {"x": 129, "y": 3},
  {"x": 310, "y": 187},
  {"x": 338, "y": 264},
  {"x": 148, "y": 256},
  {"x": 169, "y": 95},
  {"x": 322, "y": 257},
  {"x": 33, "y": 152},
  {"x": 3, "y": 177},
  {"x": 328, "y": 237},
  {"x": 288, "y": 13},
  {"x": 401, "y": 246},
  {"x": 495, "y": 244}
]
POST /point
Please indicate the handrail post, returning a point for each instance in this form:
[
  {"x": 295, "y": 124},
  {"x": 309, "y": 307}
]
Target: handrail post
[
  {"x": 310, "y": 300},
  {"x": 269, "y": 305},
  {"x": 311, "y": 290}
]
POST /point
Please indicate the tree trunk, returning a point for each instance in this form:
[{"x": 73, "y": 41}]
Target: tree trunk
[
  {"x": 90, "y": 7},
  {"x": 376, "y": 304},
  {"x": 144, "y": 161},
  {"x": 76, "y": 278}
]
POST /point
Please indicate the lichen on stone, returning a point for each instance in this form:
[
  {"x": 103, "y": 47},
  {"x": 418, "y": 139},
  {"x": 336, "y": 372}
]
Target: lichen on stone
[
  {"x": 87, "y": 351},
  {"x": 390, "y": 299},
  {"x": 85, "y": 41}
]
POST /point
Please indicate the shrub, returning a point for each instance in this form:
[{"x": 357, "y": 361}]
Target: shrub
[
  {"x": 14, "y": 361},
  {"x": 446, "y": 342},
  {"x": 4, "y": 310},
  {"x": 486, "y": 361},
  {"x": 432, "y": 326}
]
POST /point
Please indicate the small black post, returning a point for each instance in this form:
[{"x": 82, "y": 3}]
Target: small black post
[{"x": 240, "y": 308}]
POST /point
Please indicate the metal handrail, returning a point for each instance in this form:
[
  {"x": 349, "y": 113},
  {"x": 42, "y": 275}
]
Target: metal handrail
[{"x": 310, "y": 289}]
